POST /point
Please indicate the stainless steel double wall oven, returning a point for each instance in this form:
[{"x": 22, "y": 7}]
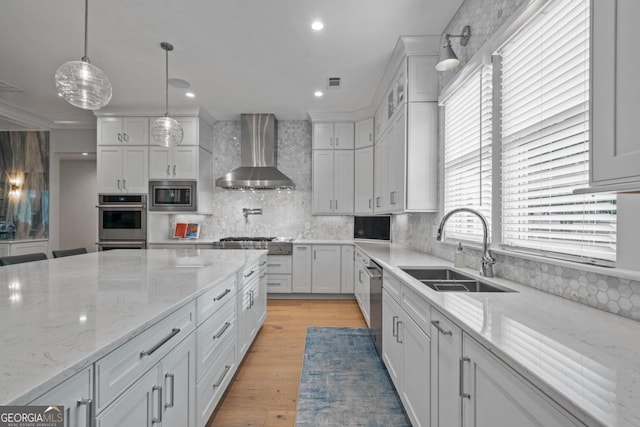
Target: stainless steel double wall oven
[{"x": 122, "y": 221}]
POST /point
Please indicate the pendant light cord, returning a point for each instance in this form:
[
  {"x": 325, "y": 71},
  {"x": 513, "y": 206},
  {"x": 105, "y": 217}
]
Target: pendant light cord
[
  {"x": 166, "y": 105},
  {"x": 85, "y": 58}
]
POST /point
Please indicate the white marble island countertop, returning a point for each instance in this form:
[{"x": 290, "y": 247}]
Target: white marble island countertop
[
  {"x": 61, "y": 315},
  {"x": 585, "y": 359}
]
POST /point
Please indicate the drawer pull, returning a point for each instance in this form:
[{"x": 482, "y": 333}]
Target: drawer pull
[
  {"x": 262, "y": 276},
  {"x": 89, "y": 412},
  {"x": 250, "y": 273},
  {"x": 436, "y": 323},
  {"x": 174, "y": 332},
  {"x": 462, "y": 393},
  {"x": 222, "y": 295},
  {"x": 398, "y": 332},
  {"x": 224, "y": 374},
  {"x": 393, "y": 328},
  {"x": 262, "y": 263},
  {"x": 250, "y": 299},
  {"x": 222, "y": 331},
  {"x": 157, "y": 388},
  {"x": 173, "y": 386},
  {"x": 274, "y": 265}
]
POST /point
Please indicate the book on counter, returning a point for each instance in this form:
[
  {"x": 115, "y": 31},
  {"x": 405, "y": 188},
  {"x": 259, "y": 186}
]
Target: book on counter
[{"x": 185, "y": 230}]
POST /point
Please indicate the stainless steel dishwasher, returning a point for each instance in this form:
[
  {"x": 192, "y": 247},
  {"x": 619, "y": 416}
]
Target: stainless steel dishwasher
[{"x": 375, "y": 303}]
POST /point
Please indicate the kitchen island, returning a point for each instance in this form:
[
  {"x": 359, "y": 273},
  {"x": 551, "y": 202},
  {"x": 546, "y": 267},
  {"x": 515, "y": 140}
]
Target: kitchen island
[{"x": 62, "y": 315}]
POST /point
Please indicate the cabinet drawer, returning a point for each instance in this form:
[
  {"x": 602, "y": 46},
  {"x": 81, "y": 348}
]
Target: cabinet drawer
[
  {"x": 250, "y": 271},
  {"x": 123, "y": 366},
  {"x": 209, "y": 302},
  {"x": 392, "y": 285},
  {"x": 213, "y": 333},
  {"x": 210, "y": 389},
  {"x": 279, "y": 283},
  {"x": 417, "y": 308},
  {"x": 279, "y": 264}
]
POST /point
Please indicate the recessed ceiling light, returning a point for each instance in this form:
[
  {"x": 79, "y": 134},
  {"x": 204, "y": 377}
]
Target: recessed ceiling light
[
  {"x": 317, "y": 25},
  {"x": 179, "y": 83},
  {"x": 318, "y": 93},
  {"x": 85, "y": 154},
  {"x": 190, "y": 95}
]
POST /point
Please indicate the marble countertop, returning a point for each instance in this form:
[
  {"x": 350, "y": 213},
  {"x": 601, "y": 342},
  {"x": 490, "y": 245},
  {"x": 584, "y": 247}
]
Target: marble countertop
[
  {"x": 59, "y": 316},
  {"x": 321, "y": 242},
  {"x": 181, "y": 242},
  {"x": 23, "y": 240},
  {"x": 586, "y": 359}
]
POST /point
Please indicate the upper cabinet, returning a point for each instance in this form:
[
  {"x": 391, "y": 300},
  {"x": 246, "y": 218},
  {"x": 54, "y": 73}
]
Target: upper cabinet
[
  {"x": 123, "y": 131},
  {"x": 364, "y": 133},
  {"x": 615, "y": 90},
  {"x": 333, "y": 182},
  {"x": 423, "y": 78},
  {"x": 189, "y": 130},
  {"x": 364, "y": 167},
  {"x": 338, "y": 136}
]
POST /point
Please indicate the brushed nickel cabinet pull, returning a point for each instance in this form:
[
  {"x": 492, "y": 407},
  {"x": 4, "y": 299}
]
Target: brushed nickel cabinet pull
[
  {"x": 223, "y": 330},
  {"x": 393, "y": 328},
  {"x": 462, "y": 393},
  {"x": 173, "y": 333},
  {"x": 158, "y": 419},
  {"x": 126, "y": 137},
  {"x": 89, "y": 411},
  {"x": 119, "y": 137},
  {"x": 398, "y": 332},
  {"x": 173, "y": 385},
  {"x": 168, "y": 169},
  {"x": 222, "y": 295},
  {"x": 436, "y": 323},
  {"x": 224, "y": 374}
]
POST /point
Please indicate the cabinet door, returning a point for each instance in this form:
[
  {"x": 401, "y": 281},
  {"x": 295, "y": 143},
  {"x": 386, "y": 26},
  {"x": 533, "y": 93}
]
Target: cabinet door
[
  {"x": 179, "y": 385},
  {"x": 364, "y": 133},
  {"x": 260, "y": 299},
  {"x": 498, "y": 397},
  {"x": 343, "y": 182},
  {"x": 301, "y": 277},
  {"x": 159, "y": 162},
  {"x": 110, "y": 131},
  {"x": 109, "y": 169},
  {"x": 446, "y": 350},
  {"x": 364, "y": 180},
  {"x": 184, "y": 162},
  {"x": 189, "y": 130},
  {"x": 322, "y": 181},
  {"x": 75, "y": 394},
  {"x": 322, "y": 136},
  {"x": 417, "y": 378},
  {"x": 391, "y": 340},
  {"x": 138, "y": 406},
  {"x": 244, "y": 318},
  {"x": 423, "y": 78},
  {"x": 135, "y": 175},
  {"x": 135, "y": 130},
  {"x": 346, "y": 270},
  {"x": 343, "y": 136},
  {"x": 381, "y": 175},
  {"x": 615, "y": 152},
  {"x": 325, "y": 272},
  {"x": 396, "y": 147}
]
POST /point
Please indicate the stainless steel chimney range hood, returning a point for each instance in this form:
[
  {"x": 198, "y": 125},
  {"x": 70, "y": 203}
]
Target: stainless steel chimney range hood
[{"x": 258, "y": 155}]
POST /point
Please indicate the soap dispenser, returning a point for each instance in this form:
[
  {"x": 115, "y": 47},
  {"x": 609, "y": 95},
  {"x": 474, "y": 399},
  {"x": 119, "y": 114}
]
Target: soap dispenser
[{"x": 458, "y": 258}]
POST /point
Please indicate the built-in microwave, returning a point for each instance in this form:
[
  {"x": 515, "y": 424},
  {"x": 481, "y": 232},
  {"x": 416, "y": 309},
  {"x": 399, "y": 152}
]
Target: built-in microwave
[
  {"x": 173, "y": 196},
  {"x": 372, "y": 227}
]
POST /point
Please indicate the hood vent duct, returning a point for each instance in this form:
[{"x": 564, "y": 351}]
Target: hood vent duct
[{"x": 258, "y": 157}]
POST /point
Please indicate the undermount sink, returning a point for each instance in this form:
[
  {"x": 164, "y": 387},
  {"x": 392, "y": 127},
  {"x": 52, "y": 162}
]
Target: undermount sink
[{"x": 445, "y": 280}]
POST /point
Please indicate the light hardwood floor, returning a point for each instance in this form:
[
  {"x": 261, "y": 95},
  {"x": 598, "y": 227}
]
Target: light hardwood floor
[{"x": 265, "y": 388}]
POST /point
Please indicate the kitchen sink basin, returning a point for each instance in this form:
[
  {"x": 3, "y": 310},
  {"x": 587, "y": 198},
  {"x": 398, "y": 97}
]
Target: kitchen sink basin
[{"x": 445, "y": 280}]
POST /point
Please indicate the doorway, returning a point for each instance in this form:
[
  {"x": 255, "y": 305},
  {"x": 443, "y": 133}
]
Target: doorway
[{"x": 78, "y": 213}]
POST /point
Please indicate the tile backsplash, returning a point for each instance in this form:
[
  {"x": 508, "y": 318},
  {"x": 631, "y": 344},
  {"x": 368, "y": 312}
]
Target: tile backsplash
[{"x": 286, "y": 214}]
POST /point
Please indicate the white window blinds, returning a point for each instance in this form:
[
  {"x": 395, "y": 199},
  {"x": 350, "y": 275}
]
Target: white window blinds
[
  {"x": 545, "y": 139},
  {"x": 467, "y": 155}
]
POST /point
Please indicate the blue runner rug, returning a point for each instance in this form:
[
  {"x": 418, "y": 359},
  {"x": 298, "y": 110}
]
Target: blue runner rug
[{"x": 344, "y": 382}]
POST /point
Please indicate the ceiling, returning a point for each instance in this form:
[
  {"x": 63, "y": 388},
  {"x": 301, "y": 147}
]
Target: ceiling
[{"x": 240, "y": 56}]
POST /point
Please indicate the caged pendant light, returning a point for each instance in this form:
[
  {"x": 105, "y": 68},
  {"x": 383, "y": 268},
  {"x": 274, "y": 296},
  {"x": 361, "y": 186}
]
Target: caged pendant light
[
  {"x": 80, "y": 83},
  {"x": 165, "y": 130}
]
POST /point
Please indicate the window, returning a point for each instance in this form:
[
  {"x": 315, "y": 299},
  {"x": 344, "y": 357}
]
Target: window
[
  {"x": 467, "y": 155},
  {"x": 545, "y": 139}
]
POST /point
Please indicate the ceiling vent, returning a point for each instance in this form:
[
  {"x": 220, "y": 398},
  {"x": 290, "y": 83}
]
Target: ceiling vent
[
  {"x": 6, "y": 87},
  {"x": 334, "y": 82}
]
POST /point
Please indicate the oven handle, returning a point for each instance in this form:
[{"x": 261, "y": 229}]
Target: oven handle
[{"x": 121, "y": 206}]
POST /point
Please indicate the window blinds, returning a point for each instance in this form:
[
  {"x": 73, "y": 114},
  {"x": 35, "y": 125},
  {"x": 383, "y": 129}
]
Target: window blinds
[
  {"x": 467, "y": 157},
  {"x": 545, "y": 139}
]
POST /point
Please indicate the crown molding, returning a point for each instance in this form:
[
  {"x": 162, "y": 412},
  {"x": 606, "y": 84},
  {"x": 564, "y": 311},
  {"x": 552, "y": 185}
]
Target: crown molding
[{"x": 23, "y": 118}]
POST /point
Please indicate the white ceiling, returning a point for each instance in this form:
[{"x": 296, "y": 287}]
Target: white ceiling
[{"x": 239, "y": 55}]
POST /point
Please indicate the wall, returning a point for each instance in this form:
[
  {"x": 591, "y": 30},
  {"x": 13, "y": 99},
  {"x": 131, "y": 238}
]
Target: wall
[
  {"x": 617, "y": 292},
  {"x": 64, "y": 142},
  {"x": 78, "y": 213},
  {"x": 285, "y": 214}
]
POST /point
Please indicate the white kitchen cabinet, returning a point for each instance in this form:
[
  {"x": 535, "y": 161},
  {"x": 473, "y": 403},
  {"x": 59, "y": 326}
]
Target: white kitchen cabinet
[
  {"x": 301, "y": 277},
  {"x": 422, "y": 78},
  {"x": 363, "y": 187},
  {"x": 381, "y": 174},
  {"x": 338, "y": 136},
  {"x": 189, "y": 130},
  {"x": 615, "y": 151},
  {"x": 346, "y": 270},
  {"x": 495, "y": 396},
  {"x": 333, "y": 182},
  {"x": 325, "y": 270},
  {"x": 123, "y": 131},
  {"x": 391, "y": 344},
  {"x": 279, "y": 268},
  {"x": 76, "y": 395},
  {"x": 179, "y": 162},
  {"x": 362, "y": 289},
  {"x": 215, "y": 381},
  {"x": 123, "y": 169},
  {"x": 23, "y": 247},
  {"x": 251, "y": 304},
  {"x": 364, "y": 133},
  {"x": 446, "y": 350}
]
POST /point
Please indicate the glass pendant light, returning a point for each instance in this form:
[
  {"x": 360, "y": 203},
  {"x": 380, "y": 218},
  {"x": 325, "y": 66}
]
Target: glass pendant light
[
  {"x": 165, "y": 130},
  {"x": 82, "y": 84}
]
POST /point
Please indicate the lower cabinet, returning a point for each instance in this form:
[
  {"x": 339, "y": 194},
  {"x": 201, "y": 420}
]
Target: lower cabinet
[
  {"x": 302, "y": 260},
  {"x": 252, "y": 308},
  {"x": 406, "y": 352},
  {"x": 216, "y": 379},
  {"x": 325, "y": 270},
  {"x": 362, "y": 291},
  {"x": 76, "y": 395},
  {"x": 495, "y": 396},
  {"x": 279, "y": 273},
  {"x": 164, "y": 395},
  {"x": 346, "y": 269}
]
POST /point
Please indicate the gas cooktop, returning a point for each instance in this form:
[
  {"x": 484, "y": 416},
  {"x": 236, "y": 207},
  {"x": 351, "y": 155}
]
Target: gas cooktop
[{"x": 274, "y": 245}]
